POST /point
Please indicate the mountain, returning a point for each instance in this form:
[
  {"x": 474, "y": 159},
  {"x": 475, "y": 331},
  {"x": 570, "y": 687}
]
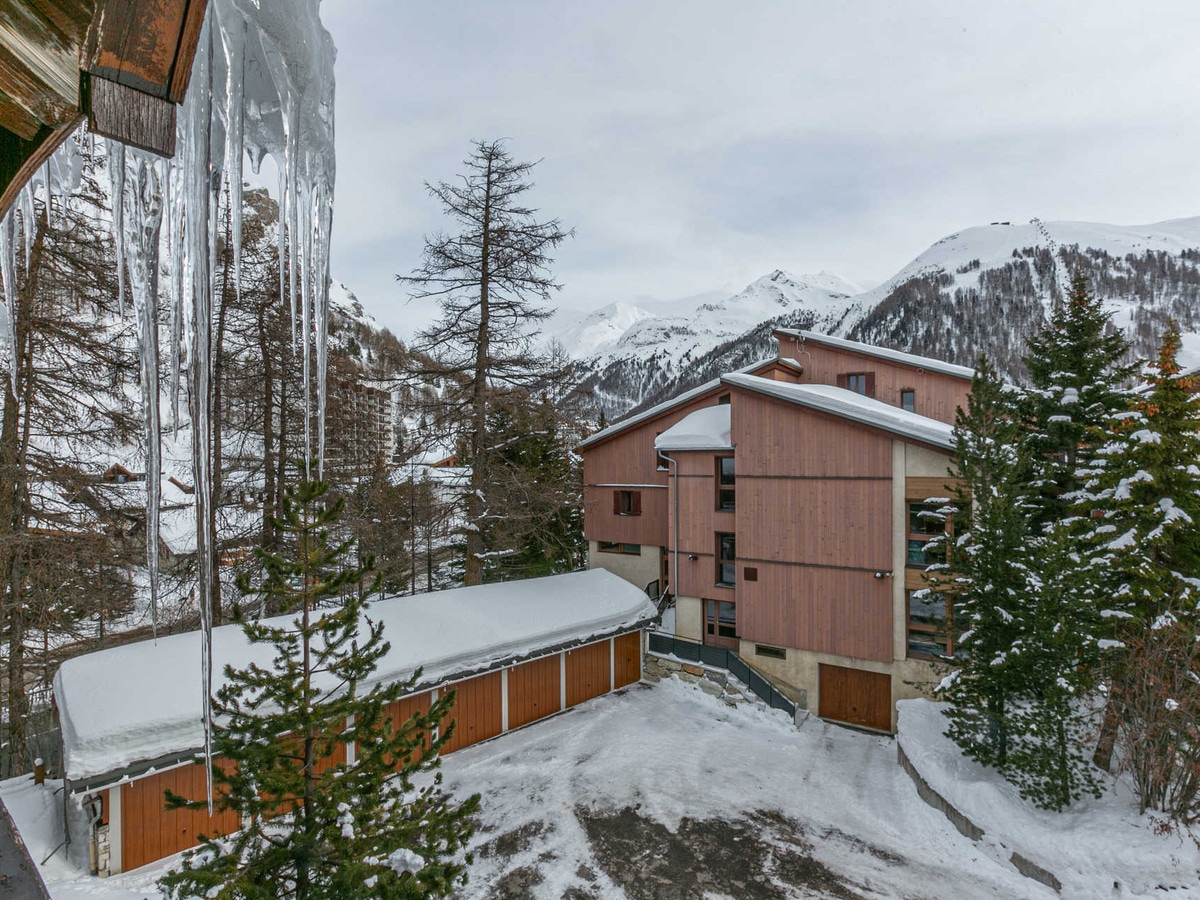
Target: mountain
[
  {"x": 984, "y": 289},
  {"x": 654, "y": 350}
]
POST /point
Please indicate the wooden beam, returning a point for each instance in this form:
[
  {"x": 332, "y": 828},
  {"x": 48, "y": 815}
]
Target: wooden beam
[
  {"x": 131, "y": 116},
  {"x": 137, "y": 43},
  {"x": 27, "y": 90},
  {"x": 35, "y": 46},
  {"x": 32, "y": 154},
  {"x": 18, "y": 119},
  {"x": 181, "y": 71}
]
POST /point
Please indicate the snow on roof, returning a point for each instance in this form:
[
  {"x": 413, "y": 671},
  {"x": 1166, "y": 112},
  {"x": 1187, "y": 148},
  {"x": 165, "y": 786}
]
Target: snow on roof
[
  {"x": 141, "y": 701},
  {"x": 660, "y": 408},
  {"x": 704, "y": 429},
  {"x": 907, "y": 359},
  {"x": 849, "y": 405}
]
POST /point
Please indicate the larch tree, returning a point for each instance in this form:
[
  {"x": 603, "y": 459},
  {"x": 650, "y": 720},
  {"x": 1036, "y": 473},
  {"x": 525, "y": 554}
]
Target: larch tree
[
  {"x": 491, "y": 277},
  {"x": 318, "y": 821}
]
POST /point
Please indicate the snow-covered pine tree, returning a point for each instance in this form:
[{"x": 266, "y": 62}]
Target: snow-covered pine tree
[
  {"x": 1077, "y": 369},
  {"x": 1052, "y": 664},
  {"x": 987, "y": 575},
  {"x": 1142, "y": 500},
  {"x": 320, "y": 822}
]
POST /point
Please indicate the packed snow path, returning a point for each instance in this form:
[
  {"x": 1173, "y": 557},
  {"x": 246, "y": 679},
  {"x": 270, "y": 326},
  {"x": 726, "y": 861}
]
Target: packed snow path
[{"x": 665, "y": 792}]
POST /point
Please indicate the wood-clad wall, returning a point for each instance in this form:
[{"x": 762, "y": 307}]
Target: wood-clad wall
[
  {"x": 534, "y": 690},
  {"x": 477, "y": 711},
  {"x": 814, "y": 514},
  {"x": 588, "y": 672},
  {"x": 405, "y": 708},
  {"x": 149, "y": 831},
  {"x": 937, "y": 395}
]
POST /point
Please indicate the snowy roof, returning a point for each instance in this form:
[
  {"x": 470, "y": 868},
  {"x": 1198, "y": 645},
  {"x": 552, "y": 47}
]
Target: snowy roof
[
  {"x": 895, "y": 356},
  {"x": 660, "y": 408},
  {"x": 849, "y": 405},
  {"x": 141, "y": 701},
  {"x": 704, "y": 429}
]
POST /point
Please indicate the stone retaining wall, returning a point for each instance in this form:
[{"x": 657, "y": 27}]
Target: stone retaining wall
[{"x": 716, "y": 682}]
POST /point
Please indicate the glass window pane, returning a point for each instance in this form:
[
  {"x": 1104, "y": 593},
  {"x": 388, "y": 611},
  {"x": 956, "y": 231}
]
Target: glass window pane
[
  {"x": 727, "y": 474},
  {"x": 926, "y": 608},
  {"x": 908, "y": 400},
  {"x": 711, "y": 614},
  {"x": 726, "y": 612},
  {"x": 728, "y": 573},
  {"x": 923, "y": 518},
  {"x": 726, "y": 499}
]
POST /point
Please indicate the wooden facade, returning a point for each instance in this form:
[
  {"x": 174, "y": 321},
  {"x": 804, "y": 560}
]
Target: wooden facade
[
  {"x": 486, "y": 705},
  {"x": 818, "y": 493},
  {"x": 936, "y": 394}
]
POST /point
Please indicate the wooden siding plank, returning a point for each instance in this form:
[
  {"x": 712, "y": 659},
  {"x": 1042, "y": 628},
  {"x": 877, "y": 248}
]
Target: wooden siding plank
[
  {"x": 627, "y": 659},
  {"x": 404, "y": 709},
  {"x": 131, "y": 116},
  {"x": 588, "y": 672},
  {"x": 855, "y": 696},
  {"x": 476, "y": 711},
  {"x": 533, "y": 690}
]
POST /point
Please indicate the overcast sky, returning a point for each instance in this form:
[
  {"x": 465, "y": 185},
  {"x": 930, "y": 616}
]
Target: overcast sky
[{"x": 696, "y": 145}]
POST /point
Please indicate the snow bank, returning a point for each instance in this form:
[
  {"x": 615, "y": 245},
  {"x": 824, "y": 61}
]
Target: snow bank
[
  {"x": 704, "y": 429},
  {"x": 140, "y": 702},
  {"x": 1091, "y": 847},
  {"x": 849, "y": 405}
]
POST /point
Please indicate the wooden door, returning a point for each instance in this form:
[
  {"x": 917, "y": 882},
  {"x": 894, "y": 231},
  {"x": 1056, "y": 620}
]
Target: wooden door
[
  {"x": 476, "y": 711},
  {"x": 149, "y": 831},
  {"x": 856, "y": 697},
  {"x": 534, "y": 690},
  {"x": 627, "y": 658},
  {"x": 588, "y": 672}
]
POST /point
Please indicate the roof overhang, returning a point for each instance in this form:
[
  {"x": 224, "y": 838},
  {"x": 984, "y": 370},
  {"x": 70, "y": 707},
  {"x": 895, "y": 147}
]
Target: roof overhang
[{"x": 898, "y": 357}]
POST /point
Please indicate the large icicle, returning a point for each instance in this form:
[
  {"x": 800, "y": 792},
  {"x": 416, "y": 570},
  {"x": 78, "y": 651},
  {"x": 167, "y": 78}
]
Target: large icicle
[{"x": 142, "y": 218}]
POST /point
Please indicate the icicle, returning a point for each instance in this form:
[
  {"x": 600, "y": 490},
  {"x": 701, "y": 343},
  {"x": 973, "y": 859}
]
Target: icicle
[
  {"x": 28, "y": 214},
  {"x": 235, "y": 80},
  {"x": 116, "y": 173},
  {"x": 8, "y": 275},
  {"x": 143, "y": 220}
]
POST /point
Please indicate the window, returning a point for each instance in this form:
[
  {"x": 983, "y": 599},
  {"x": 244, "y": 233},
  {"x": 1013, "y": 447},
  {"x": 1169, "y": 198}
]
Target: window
[
  {"x": 726, "y": 560},
  {"x": 720, "y": 618},
  {"x": 614, "y": 547},
  {"x": 859, "y": 382},
  {"x": 925, "y": 524},
  {"x": 627, "y": 503},
  {"x": 908, "y": 400},
  {"x": 725, "y": 483},
  {"x": 769, "y": 651},
  {"x": 930, "y": 619}
]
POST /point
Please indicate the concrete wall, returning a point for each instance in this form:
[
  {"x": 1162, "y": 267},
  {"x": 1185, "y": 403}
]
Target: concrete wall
[
  {"x": 689, "y": 618},
  {"x": 638, "y": 570}
]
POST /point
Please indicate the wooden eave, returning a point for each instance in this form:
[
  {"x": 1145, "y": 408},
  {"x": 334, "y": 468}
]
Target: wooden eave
[
  {"x": 708, "y": 389},
  {"x": 122, "y": 63}
]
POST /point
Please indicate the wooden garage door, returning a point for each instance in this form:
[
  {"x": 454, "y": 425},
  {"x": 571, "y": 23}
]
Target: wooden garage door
[
  {"x": 149, "y": 831},
  {"x": 404, "y": 708},
  {"x": 588, "y": 672},
  {"x": 627, "y": 658},
  {"x": 856, "y": 697},
  {"x": 534, "y": 690},
  {"x": 476, "y": 710}
]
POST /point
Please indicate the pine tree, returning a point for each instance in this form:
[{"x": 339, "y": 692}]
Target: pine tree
[
  {"x": 987, "y": 573},
  {"x": 1142, "y": 501},
  {"x": 1077, "y": 368},
  {"x": 1052, "y": 661},
  {"x": 315, "y": 826}
]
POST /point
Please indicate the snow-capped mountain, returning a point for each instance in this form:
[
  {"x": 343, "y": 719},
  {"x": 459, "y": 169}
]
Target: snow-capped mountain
[
  {"x": 652, "y": 350},
  {"x": 983, "y": 289}
]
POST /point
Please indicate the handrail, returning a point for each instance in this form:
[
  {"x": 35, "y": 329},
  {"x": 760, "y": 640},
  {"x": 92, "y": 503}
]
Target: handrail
[{"x": 721, "y": 658}]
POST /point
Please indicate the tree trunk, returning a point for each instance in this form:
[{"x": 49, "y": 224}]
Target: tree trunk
[{"x": 475, "y": 503}]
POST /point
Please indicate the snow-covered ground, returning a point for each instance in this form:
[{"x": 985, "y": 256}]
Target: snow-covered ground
[{"x": 665, "y": 791}]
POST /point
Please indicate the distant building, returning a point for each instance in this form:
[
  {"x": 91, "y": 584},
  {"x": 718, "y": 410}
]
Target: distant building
[{"x": 782, "y": 505}]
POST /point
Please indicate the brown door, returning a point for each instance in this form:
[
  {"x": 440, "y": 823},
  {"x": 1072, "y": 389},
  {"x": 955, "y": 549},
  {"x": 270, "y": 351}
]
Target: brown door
[
  {"x": 720, "y": 624},
  {"x": 627, "y": 658},
  {"x": 856, "y": 697},
  {"x": 534, "y": 690},
  {"x": 587, "y": 672},
  {"x": 476, "y": 711},
  {"x": 149, "y": 831}
]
